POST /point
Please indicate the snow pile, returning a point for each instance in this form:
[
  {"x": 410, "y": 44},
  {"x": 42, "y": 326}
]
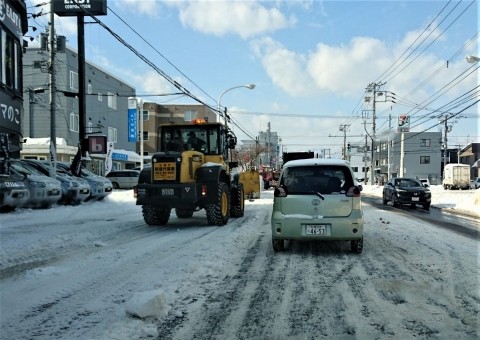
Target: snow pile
[{"x": 148, "y": 304}]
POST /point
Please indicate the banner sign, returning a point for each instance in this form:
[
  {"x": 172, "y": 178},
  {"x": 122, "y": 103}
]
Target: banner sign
[
  {"x": 79, "y": 7},
  {"x": 108, "y": 158},
  {"x": 132, "y": 120},
  {"x": 403, "y": 123},
  {"x": 10, "y": 112}
]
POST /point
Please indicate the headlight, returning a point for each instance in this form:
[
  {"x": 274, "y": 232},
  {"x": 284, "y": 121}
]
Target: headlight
[{"x": 38, "y": 184}]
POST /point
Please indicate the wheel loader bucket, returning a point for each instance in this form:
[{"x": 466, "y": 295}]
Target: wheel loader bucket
[{"x": 251, "y": 183}]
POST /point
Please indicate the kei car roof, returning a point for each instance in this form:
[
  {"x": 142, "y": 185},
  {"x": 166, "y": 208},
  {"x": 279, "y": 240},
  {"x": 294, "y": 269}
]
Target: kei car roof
[{"x": 316, "y": 161}]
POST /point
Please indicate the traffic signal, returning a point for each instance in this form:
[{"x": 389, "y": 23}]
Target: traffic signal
[{"x": 349, "y": 148}]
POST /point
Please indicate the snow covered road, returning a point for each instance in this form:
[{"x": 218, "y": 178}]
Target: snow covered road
[{"x": 73, "y": 272}]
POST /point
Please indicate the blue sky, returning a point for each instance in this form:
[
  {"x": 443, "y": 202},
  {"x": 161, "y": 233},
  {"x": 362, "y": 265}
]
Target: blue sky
[{"x": 311, "y": 61}]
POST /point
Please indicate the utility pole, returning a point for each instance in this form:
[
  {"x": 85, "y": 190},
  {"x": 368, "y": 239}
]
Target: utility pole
[
  {"x": 365, "y": 160},
  {"x": 445, "y": 148},
  {"x": 269, "y": 148},
  {"x": 373, "y": 88},
  {"x": 53, "y": 137},
  {"x": 344, "y": 127},
  {"x": 388, "y": 144}
]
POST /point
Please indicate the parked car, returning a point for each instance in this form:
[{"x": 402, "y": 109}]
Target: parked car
[
  {"x": 75, "y": 190},
  {"x": 403, "y": 190},
  {"x": 100, "y": 187},
  {"x": 425, "y": 182},
  {"x": 13, "y": 192},
  {"x": 318, "y": 200},
  {"x": 123, "y": 179},
  {"x": 44, "y": 191},
  {"x": 475, "y": 183}
]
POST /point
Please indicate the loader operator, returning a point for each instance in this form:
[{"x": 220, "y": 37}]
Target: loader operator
[{"x": 194, "y": 142}]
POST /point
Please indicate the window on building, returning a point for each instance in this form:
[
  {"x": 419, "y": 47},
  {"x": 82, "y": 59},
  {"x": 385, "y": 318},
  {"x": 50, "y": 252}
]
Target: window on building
[
  {"x": 425, "y": 142},
  {"x": 145, "y": 135},
  {"x": 112, "y": 100},
  {"x": 100, "y": 97},
  {"x": 189, "y": 115},
  {"x": 89, "y": 88},
  {"x": 74, "y": 122},
  {"x": 424, "y": 159},
  {"x": 10, "y": 62},
  {"x": 74, "y": 80},
  {"x": 112, "y": 134},
  {"x": 355, "y": 168},
  {"x": 145, "y": 115}
]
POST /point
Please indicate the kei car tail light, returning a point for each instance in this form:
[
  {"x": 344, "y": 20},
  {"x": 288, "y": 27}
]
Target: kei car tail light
[
  {"x": 279, "y": 192},
  {"x": 353, "y": 192},
  {"x": 204, "y": 190}
]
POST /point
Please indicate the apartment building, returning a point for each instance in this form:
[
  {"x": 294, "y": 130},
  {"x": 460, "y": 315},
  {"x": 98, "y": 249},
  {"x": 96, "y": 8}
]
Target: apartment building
[
  {"x": 155, "y": 115},
  {"x": 106, "y": 106}
]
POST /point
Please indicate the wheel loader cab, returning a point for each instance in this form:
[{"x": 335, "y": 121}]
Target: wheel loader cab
[{"x": 210, "y": 139}]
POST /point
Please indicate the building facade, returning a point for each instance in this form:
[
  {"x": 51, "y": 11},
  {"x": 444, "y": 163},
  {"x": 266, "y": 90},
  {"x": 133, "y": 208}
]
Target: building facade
[
  {"x": 418, "y": 152},
  {"x": 155, "y": 115},
  {"x": 106, "y": 105},
  {"x": 471, "y": 155}
]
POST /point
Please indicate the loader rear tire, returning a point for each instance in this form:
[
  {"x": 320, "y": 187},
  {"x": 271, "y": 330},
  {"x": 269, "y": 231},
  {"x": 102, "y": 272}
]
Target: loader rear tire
[{"x": 153, "y": 215}]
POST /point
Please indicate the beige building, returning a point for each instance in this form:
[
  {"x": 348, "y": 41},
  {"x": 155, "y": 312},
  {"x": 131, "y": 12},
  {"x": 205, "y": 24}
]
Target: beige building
[{"x": 155, "y": 115}]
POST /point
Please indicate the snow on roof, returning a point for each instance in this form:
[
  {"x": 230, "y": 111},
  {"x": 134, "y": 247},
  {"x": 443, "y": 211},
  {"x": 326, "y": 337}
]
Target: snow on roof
[
  {"x": 45, "y": 141},
  {"x": 316, "y": 161}
]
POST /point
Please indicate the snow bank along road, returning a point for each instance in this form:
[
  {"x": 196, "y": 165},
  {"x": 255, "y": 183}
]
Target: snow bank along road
[{"x": 72, "y": 276}]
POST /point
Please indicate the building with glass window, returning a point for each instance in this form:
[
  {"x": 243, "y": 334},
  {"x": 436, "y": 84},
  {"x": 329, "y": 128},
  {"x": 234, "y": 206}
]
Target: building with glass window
[
  {"x": 13, "y": 25},
  {"x": 422, "y": 156},
  {"x": 156, "y": 114},
  {"x": 106, "y": 106}
]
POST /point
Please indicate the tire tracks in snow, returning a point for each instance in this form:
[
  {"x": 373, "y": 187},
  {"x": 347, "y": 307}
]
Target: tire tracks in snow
[{"x": 81, "y": 300}]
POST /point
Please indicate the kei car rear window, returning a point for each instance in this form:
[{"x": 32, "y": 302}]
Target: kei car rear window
[{"x": 323, "y": 179}]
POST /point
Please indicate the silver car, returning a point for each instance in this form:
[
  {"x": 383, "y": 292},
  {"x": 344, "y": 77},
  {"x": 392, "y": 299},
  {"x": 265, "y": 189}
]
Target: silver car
[
  {"x": 44, "y": 191},
  {"x": 75, "y": 190},
  {"x": 100, "y": 187},
  {"x": 123, "y": 179},
  {"x": 13, "y": 193},
  {"x": 317, "y": 200}
]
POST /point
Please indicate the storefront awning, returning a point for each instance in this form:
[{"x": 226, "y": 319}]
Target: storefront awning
[{"x": 125, "y": 156}]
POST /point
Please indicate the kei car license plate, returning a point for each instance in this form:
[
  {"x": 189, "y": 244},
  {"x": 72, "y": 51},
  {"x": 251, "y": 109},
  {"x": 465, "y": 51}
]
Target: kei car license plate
[
  {"x": 415, "y": 199},
  {"x": 316, "y": 229},
  {"x": 167, "y": 192}
]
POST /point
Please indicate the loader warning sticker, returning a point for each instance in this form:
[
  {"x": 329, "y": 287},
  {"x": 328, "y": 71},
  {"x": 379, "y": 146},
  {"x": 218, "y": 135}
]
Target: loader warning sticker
[{"x": 164, "y": 171}]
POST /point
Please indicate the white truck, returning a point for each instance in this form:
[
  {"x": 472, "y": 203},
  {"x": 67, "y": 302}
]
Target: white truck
[{"x": 456, "y": 176}]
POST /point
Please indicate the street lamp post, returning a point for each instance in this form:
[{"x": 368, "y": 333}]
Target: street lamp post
[
  {"x": 249, "y": 86},
  {"x": 472, "y": 59}
]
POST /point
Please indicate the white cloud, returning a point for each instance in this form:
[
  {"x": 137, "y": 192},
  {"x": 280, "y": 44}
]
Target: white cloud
[
  {"x": 347, "y": 69},
  {"x": 143, "y": 7},
  {"x": 286, "y": 68},
  {"x": 245, "y": 18},
  {"x": 153, "y": 83}
]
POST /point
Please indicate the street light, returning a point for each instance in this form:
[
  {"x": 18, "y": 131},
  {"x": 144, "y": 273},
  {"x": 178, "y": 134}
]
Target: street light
[
  {"x": 249, "y": 86},
  {"x": 472, "y": 59}
]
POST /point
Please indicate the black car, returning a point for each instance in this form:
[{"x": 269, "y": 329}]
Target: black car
[{"x": 406, "y": 191}]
